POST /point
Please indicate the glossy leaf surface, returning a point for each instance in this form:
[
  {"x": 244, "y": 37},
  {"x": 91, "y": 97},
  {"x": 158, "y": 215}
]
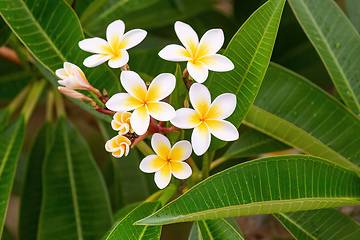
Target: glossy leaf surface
[
  {"x": 126, "y": 230},
  {"x": 300, "y": 114},
  {"x": 353, "y": 9},
  {"x": 213, "y": 229},
  {"x": 336, "y": 41},
  {"x": 323, "y": 224},
  {"x": 11, "y": 140},
  {"x": 75, "y": 204},
  {"x": 250, "y": 51},
  {"x": 269, "y": 185}
]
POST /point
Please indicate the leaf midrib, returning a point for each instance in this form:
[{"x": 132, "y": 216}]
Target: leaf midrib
[
  {"x": 296, "y": 224},
  {"x": 331, "y": 54},
  {"x": 72, "y": 182},
  {"x": 351, "y": 166}
]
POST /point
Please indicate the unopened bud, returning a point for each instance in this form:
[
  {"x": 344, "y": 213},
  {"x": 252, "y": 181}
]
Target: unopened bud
[{"x": 75, "y": 94}]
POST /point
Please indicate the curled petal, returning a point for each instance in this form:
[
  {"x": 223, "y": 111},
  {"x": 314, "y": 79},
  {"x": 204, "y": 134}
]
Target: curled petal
[
  {"x": 71, "y": 83},
  {"x": 120, "y": 60},
  {"x": 122, "y": 102},
  {"x": 163, "y": 176},
  {"x": 140, "y": 120},
  {"x": 80, "y": 77},
  {"x": 161, "y": 145},
  {"x": 118, "y": 146},
  {"x": 161, "y": 111},
  {"x": 175, "y": 53},
  {"x": 114, "y": 33},
  {"x": 180, "y": 170},
  {"x": 217, "y": 62},
  {"x": 180, "y": 151},
  {"x": 198, "y": 71},
  {"x": 95, "y": 45},
  {"x": 200, "y": 98},
  {"x": 152, "y": 163},
  {"x": 61, "y": 73},
  {"x": 222, "y": 107},
  {"x": 96, "y": 60},
  {"x": 211, "y": 42},
  {"x": 67, "y": 67},
  {"x": 133, "y": 84},
  {"x": 187, "y": 36},
  {"x": 223, "y": 130},
  {"x": 132, "y": 38},
  {"x": 161, "y": 87},
  {"x": 186, "y": 118},
  {"x": 200, "y": 139},
  {"x": 73, "y": 93}
]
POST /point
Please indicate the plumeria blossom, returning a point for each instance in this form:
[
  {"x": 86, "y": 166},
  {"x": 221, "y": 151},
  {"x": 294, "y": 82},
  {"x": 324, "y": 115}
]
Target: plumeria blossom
[
  {"x": 72, "y": 77},
  {"x": 168, "y": 160},
  {"x": 74, "y": 94},
  {"x": 201, "y": 56},
  {"x": 144, "y": 102},
  {"x": 207, "y": 118},
  {"x": 114, "y": 49},
  {"x": 121, "y": 122},
  {"x": 118, "y": 146}
]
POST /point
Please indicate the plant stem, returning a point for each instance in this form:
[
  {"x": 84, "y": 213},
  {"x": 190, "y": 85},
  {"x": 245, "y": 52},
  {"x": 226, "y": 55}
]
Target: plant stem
[
  {"x": 18, "y": 99},
  {"x": 144, "y": 148},
  {"x": 217, "y": 162},
  {"x": 155, "y": 196},
  {"x": 59, "y": 105},
  {"x": 49, "y": 106},
  {"x": 169, "y": 192},
  {"x": 32, "y": 99},
  {"x": 206, "y": 164}
]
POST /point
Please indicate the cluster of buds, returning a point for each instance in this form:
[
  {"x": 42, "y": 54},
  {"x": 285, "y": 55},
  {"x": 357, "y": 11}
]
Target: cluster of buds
[{"x": 134, "y": 111}]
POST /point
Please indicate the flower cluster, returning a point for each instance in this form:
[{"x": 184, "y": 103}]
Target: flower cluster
[{"x": 135, "y": 111}]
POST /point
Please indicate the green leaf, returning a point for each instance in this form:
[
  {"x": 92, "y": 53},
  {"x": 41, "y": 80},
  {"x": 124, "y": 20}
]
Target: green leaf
[
  {"x": 336, "y": 41},
  {"x": 99, "y": 14},
  {"x": 300, "y": 114},
  {"x": 50, "y": 30},
  {"x": 30, "y": 203},
  {"x": 353, "y": 9},
  {"x": 326, "y": 224},
  {"x": 252, "y": 143},
  {"x": 75, "y": 204},
  {"x": 119, "y": 215},
  {"x": 11, "y": 140},
  {"x": 126, "y": 230},
  {"x": 5, "y": 32},
  {"x": 250, "y": 51},
  {"x": 213, "y": 229},
  {"x": 180, "y": 92},
  {"x": 269, "y": 185}
]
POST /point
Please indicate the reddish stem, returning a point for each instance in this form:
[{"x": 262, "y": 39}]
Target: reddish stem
[
  {"x": 104, "y": 111},
  {"x": 168, "y": 129}
]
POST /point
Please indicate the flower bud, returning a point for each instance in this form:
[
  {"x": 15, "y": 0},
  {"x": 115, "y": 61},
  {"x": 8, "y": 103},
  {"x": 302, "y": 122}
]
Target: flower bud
[
  {"x": 72, "y": 77},
  {"x": 74, "y": 94},
  {"x": 121, "y": 122},
  {"x": 118, "y": 146}
]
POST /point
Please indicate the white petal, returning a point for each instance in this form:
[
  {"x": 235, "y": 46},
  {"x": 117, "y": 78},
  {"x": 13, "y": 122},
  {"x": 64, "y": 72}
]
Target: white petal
[
  {"x": 200, "y": 98},
  {"x": 114, "y": 33},
  {"x": 186, "y": 118},
  {"x": 161, "y": 87},
  {"x": 96, "y": 60},
  {"x": 133, "y": 84},
  {"x": 222, "y": 107},
  {"x": 200, "y": 139},
  {"x": 187, "y": 36},
  {"x": 163, "y": 176},
  {"x": 80, "y": 77},
  {"x": 61, "y": 73},
  {"x": 198, "y": 71},
  {"x": 122, "y": 102},
  {"x": 132, "y": 38},
  {"x": 120, "y": 60},
  {"x": 217, "y": 62},
  {"x": 180, "y": 170},
  {"x": 152, "y": 163},
  {"x": 211, "y": 42},
  {"x": 161, "y": 111},
  {"x": 140, "y": 120},
  {"x": 223, "y": 130},
  {"x": 95, "y": 45},
  {"x": 180, "y": 151},
  {"x": 161, "y": 145},
  {"x": 67, "y": 67},
  {"x": 175, "y": 53}
]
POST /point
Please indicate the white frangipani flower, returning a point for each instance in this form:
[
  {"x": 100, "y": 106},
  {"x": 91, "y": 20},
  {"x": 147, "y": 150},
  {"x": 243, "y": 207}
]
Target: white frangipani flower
[
  {"x": 207, "y": 118},
  {"x": 114, "y": 49},
  {"x": 118, "y": 146},
  {"x": 121, "y": 122},
  {"x": 168, "y": 160},
  {"x": 144, "y": 102},
  {"x": 72, "y": 77},
  {"x": 201, "y": 56}
]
